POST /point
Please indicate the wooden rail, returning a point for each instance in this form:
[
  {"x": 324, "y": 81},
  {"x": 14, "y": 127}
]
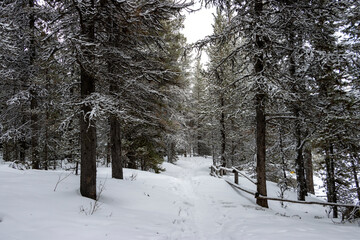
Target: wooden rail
[{"x": 220, "y": 171}]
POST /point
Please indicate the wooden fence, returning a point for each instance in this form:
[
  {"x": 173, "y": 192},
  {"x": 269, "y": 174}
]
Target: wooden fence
[{"x": 220, "y": 171}]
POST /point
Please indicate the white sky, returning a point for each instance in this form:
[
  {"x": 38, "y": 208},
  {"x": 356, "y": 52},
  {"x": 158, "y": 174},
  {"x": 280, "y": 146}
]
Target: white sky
[{"x": 198, "y": 24}]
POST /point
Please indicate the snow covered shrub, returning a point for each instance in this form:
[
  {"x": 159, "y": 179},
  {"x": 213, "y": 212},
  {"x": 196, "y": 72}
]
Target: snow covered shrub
[
  {"x": 94, "y": 205},
  {"x": 19, "y": 165},
  {"x": 132, "y": 177},
  {"x": 350, "y": 214}
]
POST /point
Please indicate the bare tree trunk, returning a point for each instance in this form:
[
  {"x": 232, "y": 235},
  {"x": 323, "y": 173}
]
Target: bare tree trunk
[
  {"x": 260, "y": 150},
  {"x": 87, "y": 125},
  {"x": 21, "y": 146},
  {"x": 46, "y": 142},
  {"x": 34, "y": 131},
  {"x": 171, "y": 151},
  {"x": 115, "y": 139},
  {"x": 309, "y": 169},
  {"x": 115, "y": 126},
  {"x": 282, "y": 154},
  {"x": 260, "y": 115},
  {"x": 88, "y": 141},
  {"x": 6, "y": 152},
  {"x": 108, "y": 150},
  {"x": 222, "y": 122},
  {"x": 46, "y": 126},
  {"x": 330, "y": 178},
  {"x": 33, "y": 101},
  {"x": 223, "y": 134},
  {"x": 299, "y": 161},
  {"x": 356, "y": 179}
]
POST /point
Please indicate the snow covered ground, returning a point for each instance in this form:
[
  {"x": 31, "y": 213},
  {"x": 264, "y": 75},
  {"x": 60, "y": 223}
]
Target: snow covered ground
[{"x": 184, "y": 202}]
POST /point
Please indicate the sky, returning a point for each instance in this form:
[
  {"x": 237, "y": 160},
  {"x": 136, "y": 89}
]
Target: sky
[{"x": 198, "y": 25}]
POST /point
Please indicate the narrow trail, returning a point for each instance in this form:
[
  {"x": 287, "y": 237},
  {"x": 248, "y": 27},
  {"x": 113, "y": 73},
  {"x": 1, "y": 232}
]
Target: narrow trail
[
  {"x": 207, "y": 208},
  {"x": 204, "y": 201}
]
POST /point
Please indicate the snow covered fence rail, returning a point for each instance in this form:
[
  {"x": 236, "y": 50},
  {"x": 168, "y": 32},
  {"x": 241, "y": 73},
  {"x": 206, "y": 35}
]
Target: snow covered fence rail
[
  {"x": 220, "y": 171},
  {"x": 256, "y": 195}
]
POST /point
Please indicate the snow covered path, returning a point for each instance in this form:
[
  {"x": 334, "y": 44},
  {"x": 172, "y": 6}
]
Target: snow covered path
[
  {"x": 210, "y": 209},
  {"x": 183, "y": 202},
  {"x": 202, "y": 204}
]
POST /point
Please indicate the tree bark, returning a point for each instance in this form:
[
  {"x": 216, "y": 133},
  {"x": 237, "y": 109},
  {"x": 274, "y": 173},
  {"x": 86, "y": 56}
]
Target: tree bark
[
  {"x": 88, "y": 141},
  {"x": 299, "y": 161},
  {"x": 330, "y": 178},
  {"x": 171, "y": 151},
  {"x": 34, "y": 131},
  {"x": 21, "y": 146},
  {"x": 115, "y": 140},
  {"x": 33, "y": 102},
  {"x": 222, "y": 123},
  {"x": 260, "y": 112},
  {"x": 87, "y": 125},
  {"x": 261, "y": 150},
  {"x": 356, "y": 179},
  {"x": 108, "y": 150},
  {"x": 309, "y": 169},
  {"x": 6, "y": 151},
  {"x": 115, "y": 126},
  {"x": 296, "y": 108},
  {"x": 282, "y": 154},
  {"x": 46, "y": 142}
]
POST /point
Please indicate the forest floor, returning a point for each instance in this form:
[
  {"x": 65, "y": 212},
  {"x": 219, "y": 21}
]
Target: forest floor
[{"x": 183, "y": 202}]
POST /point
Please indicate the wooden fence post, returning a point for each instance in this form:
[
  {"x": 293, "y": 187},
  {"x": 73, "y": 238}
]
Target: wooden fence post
[{"x": 236, "y": 176}]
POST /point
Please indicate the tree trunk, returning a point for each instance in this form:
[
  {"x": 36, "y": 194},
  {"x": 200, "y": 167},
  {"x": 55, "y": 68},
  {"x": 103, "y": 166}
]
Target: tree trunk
[
  {"x": 260, "y": 113},
  {"x": 88, "y": 141},
  {"x": 115, "y": 140},
  {"x": 6, "y": 152},
  {"x": 299, "y": 161},
  {"x": 309, "y": 169},
  {"x": 46, "y": 126},
  {"x": 33, "y": 102},
  {"x": 87, "y": 125},
  {"x": 356, "y": 179},
  {"x": 296, "y": 107},
  {"x": 223, "y": 134},
  {"x": 222, "y": 122},
  {"x": 108, "y": 150},
  {"x": 21, "y": 145},
  {"x": 171, "y": 151},
  {"x": 282, "y": 154},
  {"x": 260, "y": 150},
  {"x": 330, "y": 178},
  {"x": 34, "y": 131},
  {"x": 115, "y": 126},
  {"x": 46, "y": 142}
]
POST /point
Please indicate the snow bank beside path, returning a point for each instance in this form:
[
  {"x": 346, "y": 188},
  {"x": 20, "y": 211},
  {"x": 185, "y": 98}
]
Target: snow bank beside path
[{"x": 184, "y": 202}]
